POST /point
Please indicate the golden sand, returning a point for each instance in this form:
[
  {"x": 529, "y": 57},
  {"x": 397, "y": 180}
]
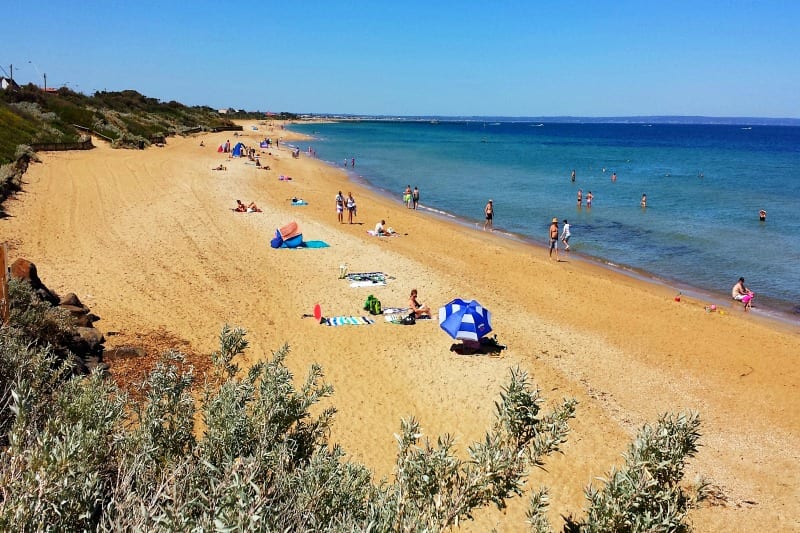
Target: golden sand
[{"x": 148, "y": 240}]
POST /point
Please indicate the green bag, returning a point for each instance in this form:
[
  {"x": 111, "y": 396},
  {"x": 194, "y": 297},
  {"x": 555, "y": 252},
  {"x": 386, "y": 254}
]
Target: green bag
[
  {"x": 368, "y": 303},
  {"x": 376, "y": 308}
]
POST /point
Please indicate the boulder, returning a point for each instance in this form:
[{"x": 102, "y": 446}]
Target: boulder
[
  {"x": 25, "y": 270},
  {"x": 71, "y": 299}
]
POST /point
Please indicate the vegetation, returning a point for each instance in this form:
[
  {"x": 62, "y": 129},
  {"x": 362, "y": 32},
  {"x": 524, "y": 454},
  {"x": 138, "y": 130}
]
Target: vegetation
[
  {"x": 29, "y": 115},
  {"x": 77, "y": 454}
]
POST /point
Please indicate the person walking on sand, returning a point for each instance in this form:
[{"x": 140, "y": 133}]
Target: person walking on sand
[
  {"x": 565, "y": 235},
  {"x": 580, "y": 197},
  {"x": 554, "y": 238},
  {"x": 340, "y": 207},
  {"x": 488, "y": 211},
  {"x": 350, "y": 203},
  {"x": 415, "y": 197}
]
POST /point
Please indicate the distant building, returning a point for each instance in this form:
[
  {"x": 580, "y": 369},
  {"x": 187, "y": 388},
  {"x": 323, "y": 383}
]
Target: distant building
[{"x": 6, "y": 83}]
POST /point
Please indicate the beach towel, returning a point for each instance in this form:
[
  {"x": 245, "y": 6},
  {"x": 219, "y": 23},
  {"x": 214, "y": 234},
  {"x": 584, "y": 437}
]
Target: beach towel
[
  {"x": 347, "y": 321},
  {"x": 374, "y": 277},
  {"x": 307, "y": 244}
]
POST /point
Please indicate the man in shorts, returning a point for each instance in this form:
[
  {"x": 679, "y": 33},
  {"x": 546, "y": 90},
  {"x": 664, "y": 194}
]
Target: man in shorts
[
  {"x": 554, "y": 238},
  {"x": 340, "y": 207}
]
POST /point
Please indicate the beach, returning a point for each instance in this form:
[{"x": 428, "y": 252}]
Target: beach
[{"x": 148, "y": 240}]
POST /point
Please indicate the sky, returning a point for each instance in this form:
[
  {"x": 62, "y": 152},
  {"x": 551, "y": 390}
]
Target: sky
[{"x": 588, "y": 58}]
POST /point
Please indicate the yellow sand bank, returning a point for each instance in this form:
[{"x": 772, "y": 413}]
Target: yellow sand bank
[{"x": 148, "y": 240}]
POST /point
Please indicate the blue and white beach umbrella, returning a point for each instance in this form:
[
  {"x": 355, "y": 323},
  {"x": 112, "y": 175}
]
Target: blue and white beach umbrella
[{"x": 465, "y": 320}]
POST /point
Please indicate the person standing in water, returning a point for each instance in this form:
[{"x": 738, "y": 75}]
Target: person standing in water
[
  {"x": 643, "y": 203},
  {"x": 762, "y": 216},
  {"x": 415, "y": 197},
  {"x": 488, "y": 211},
  {"x": 580, "y": 197},
  {"x": 572, "y": 177}
]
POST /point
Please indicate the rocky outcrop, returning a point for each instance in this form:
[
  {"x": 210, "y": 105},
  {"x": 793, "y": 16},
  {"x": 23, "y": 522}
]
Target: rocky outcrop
[{"x": 85, "y": 348}]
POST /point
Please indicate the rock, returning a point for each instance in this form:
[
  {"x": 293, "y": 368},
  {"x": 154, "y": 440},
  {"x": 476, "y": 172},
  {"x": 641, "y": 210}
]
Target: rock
[
  {"x": 25, "y": 270},
  {"x": 72, "y": 300},
  {"x": 89, "y": 340},
  {"x": 125, "y": 351}
]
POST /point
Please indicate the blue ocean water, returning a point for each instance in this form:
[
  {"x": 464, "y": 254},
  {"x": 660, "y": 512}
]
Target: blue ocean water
[{"x": 705, "y": 185}]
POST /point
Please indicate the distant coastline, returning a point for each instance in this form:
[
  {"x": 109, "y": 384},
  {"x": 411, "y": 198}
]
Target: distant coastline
[{"x": 643, "y": 119}]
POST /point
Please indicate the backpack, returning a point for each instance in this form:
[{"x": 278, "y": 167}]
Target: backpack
[
  {"x": 409, "y": 320},
  {"x": 376, "y": 308},
  {"x": 368, "y": 303}
]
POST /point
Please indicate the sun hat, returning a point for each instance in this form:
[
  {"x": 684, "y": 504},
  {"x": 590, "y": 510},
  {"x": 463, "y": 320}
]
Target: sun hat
[{"x": 555, "y": 220}]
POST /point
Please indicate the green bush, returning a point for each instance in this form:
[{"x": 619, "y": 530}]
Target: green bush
[{"x": 79, "y": 456}]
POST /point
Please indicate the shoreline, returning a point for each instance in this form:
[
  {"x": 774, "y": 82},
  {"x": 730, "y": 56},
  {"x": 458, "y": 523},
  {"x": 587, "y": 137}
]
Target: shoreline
[
  {"x": 148, "y": 241},
  {"x": 781, "y": 316}
]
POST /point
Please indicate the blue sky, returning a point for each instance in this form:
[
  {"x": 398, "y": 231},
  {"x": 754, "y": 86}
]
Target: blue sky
[{"x": 526, "y": 58}]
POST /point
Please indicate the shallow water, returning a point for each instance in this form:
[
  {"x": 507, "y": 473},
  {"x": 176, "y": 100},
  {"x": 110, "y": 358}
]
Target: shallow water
[{"x": 704, "y": 183}]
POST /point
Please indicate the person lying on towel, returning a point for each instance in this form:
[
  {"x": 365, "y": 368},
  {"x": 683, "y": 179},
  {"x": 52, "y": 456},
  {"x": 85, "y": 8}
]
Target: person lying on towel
[{"x": 249, "y": 208}]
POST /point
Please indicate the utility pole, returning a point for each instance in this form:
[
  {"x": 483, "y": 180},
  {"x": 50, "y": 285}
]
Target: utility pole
[{"x": 45, "y": 81}]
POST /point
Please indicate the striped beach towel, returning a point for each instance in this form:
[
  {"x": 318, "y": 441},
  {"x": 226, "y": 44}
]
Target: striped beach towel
[{"x": 347, "y": 321}]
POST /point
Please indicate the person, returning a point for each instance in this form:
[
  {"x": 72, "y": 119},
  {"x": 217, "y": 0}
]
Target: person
[
  {"x": 407, "y": 196},
  {"x": 613, "y": 176},
  {"x": 589, "y": 197},
  {"x": 202, "y": 143},
  {"x": 420, "y": 310},
  {"x": 220, "y": 167},
  {"x": 340, "y": 207},
  {"x": 379, "y": 229},
  {"x": 580, "y": 197},
  {"x": 565, "y": 235},
  {"x": 643, "y": 203},
  {"x": 415, "y": 197},
  {"x": 762, "y": 216},
  {"x": 488, "y": 211},
  {"x": 554, "y": 238},
  {"x": 249, "y": 208},
  {"x": 353, "y": 162},
  {"x": 351, "y": 207},
  {"x": 742, "y": 294},
  {"x": 573, "y": 175}
]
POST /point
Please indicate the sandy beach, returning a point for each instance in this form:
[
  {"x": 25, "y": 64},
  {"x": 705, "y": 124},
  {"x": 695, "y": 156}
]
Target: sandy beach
[{"x": 148, "y": 240}]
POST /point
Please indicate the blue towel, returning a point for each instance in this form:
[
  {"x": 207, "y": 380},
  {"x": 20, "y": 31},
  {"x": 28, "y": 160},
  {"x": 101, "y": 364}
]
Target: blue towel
[{"x": 308, "y": 244}]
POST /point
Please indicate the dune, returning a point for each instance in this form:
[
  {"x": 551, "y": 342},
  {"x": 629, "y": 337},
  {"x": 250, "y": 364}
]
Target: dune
[{"x": 149, "y": 241}]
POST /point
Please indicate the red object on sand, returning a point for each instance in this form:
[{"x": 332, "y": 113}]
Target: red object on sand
[{"x": 317, "y": 312}]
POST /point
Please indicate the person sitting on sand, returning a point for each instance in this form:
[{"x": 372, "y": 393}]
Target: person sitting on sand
[
  {"x": 249, "y": 208},
  {"x": 742, "y": 294},
  {"x": 220, "y": 167},
  {"x": 379, "y": 228},
  {"x": 420, "y": 310}
]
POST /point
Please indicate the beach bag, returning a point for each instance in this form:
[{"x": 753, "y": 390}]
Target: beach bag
[
  {"x": 375, "y": 307},
  {"x": 409, "y": 320},
  {"x": 368, "y": 303}
]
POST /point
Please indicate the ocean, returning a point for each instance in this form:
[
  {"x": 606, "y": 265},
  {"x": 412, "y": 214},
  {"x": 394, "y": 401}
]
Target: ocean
[{"x": 705, "y": 185}]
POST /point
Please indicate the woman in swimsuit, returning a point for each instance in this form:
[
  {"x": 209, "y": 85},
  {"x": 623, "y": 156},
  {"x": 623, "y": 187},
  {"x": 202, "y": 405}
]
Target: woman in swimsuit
[{"x": 419, "y": 309}]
